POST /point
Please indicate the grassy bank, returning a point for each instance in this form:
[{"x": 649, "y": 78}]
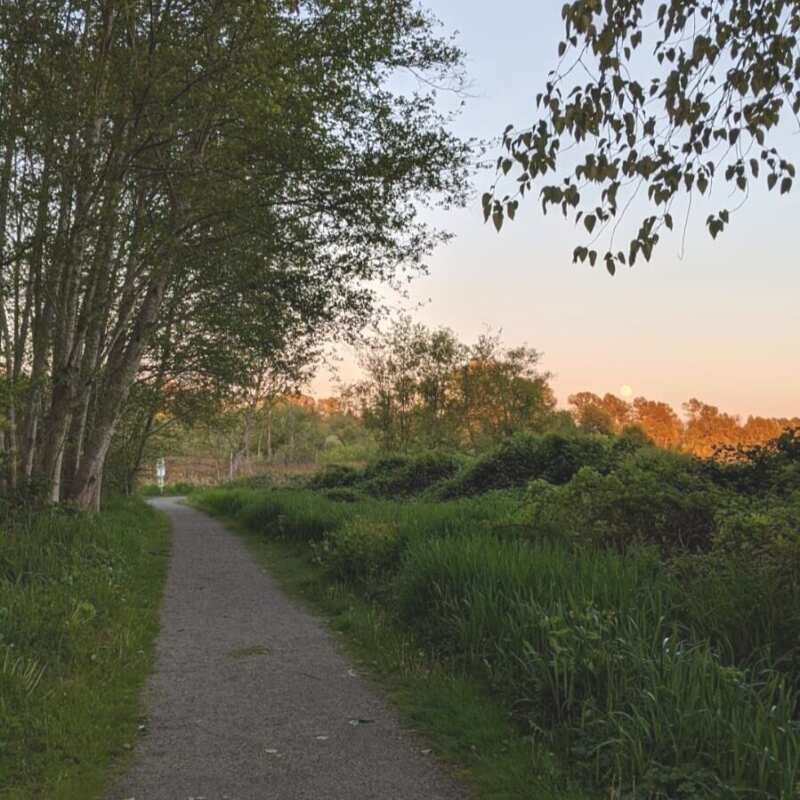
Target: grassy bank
[
  {"x": 637, "y": 617},
  {"x": 79, "y": 600}
]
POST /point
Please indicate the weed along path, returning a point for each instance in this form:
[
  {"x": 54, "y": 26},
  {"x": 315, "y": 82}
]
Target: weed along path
[{"x": 251, "y": 700}]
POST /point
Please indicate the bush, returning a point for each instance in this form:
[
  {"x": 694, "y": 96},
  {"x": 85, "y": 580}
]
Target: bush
[
  {"x": 361, "y": 550},
  {"x": 334, "y": 476},
  {"x": 223, "y": 502},
  {"x": 767, "y": 531},
  {"x": 525, "y": 457},
  {"x": 772, "y": 469},
  {"x": 263, "y": 481},
  {"x": 397, "y": 477},
  {"x": 652, "y": 497},
  {"x": 748, "y": 608}
]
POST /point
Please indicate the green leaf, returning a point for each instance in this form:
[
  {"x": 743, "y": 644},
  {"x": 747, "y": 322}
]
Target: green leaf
[{"x": 589, "y": 221}]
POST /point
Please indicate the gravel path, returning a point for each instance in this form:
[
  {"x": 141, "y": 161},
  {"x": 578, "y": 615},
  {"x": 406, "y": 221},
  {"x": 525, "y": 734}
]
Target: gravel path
[{"x": 251, "y": 700}]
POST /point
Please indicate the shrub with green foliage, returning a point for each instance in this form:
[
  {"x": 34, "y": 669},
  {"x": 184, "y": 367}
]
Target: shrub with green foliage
[
  {"x": 361, "y": 550},
  {"x": 299, "y": 515},
  {"x": 748, "y": 608},
  {"x": 224, "y": 502},
  {"x": 651, "y": 497},
  {"x": 524, "y": 457},
  {"x": 772, "y": 469},
  {"x": 395, "y": 476},
  {"x": 588, "y": 643},
  {"x": 335, "y": 476},
  {"x": 398, "y": 477}
]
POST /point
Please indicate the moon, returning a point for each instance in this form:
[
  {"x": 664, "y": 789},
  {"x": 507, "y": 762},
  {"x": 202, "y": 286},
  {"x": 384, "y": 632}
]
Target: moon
[{"x": 626, "y": 391}]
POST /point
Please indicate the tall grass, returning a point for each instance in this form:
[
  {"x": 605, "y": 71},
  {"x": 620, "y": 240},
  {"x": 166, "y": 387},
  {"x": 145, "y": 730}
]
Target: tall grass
[
  {"x": 79, "y": 599},
  {"x": 602, "y": 654}
]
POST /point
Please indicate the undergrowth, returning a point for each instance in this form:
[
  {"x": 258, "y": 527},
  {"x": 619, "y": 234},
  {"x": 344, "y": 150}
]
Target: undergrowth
[
  {"x": 638, "y": 615},
  {"x": 79, "y": 599}
]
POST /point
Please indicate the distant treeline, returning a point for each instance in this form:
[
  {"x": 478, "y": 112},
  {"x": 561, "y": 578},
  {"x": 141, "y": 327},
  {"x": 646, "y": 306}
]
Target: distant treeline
[
  {"x": 422, "y": 390},
  {"x": 423, "y": 387},
  {"x": 704, "y": 431}
]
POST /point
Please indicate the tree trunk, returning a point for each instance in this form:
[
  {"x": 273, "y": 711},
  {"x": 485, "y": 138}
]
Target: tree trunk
[{"x": 124, "y": 362}]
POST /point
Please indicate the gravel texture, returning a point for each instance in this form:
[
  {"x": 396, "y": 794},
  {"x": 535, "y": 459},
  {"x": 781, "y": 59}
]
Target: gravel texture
[{"x": 250, "y": 698}]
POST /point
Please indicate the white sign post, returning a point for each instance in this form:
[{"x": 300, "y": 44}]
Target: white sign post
[{"x": 161, "y": 473}]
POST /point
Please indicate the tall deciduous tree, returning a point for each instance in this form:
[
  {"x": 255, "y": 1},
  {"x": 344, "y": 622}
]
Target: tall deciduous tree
[
  {"x": 425, "y": 387},
  {"x": 656, "y": 101},
  {"x": 180, "y": 165},
  {"x": 659, "y": 421}
]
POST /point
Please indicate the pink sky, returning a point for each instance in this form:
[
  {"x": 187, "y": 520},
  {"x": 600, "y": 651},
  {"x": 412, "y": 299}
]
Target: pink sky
[{"x": 722, "y": 324}]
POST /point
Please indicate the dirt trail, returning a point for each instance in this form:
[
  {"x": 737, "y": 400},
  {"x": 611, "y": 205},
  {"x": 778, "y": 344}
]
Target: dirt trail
[{"x": 251, "y": 700}]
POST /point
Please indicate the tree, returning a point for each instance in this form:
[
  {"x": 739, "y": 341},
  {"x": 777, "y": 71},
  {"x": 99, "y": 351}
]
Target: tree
[
  {"x": 659, "y": 421},
  {"x": 708, "y": 428},
  {"x": 723, "y": 75},
  {"x": 389, "y": 395},
  {"x": 594, "y": 414},
  {"x": 502, "y": 391},
  {"x": 197, "y": 165},
  {"x": 424, "y": 387}
]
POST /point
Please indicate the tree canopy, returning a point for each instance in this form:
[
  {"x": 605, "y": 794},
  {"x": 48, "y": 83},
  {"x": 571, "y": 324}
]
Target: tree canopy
[
  {"x": 425, "y": 388},
  {"x": 177, "y": 178},
  {"x": 651, "y": 105}
]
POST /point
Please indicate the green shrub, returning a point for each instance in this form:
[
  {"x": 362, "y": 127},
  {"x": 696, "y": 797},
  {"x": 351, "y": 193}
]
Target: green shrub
[
  {"x": 652, "y": 497},
  {"x": 748, "y": 608},
  {"x": 397, "y": 477},
  {"x": 335, "y": 476},
  {"x": 525, "y": 457},
  {"x": 361, "y": 550},
  {"x": 764, "y": 470},
  {"x": 262, "y": 481},
  {"x": 767, "y": 531},
  {"x": 394, "y": 476},
  {"x": 746, "y": 592}
]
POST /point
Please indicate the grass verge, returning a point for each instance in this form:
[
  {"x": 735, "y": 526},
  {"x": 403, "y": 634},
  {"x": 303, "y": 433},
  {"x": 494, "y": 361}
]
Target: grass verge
[
  {"x": 79, "y": 607},
  {"x": 474, "y": 735}
]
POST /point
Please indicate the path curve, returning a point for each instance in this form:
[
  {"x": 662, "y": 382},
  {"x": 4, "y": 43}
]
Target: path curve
[{"x": 250, "y": 698}]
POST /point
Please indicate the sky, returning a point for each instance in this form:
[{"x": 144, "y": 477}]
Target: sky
[{"x": 720, "y": 322}]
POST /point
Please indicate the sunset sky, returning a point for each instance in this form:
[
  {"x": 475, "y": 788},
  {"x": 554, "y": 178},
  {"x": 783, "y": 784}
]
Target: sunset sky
[{"x": 721, "y": 324}]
